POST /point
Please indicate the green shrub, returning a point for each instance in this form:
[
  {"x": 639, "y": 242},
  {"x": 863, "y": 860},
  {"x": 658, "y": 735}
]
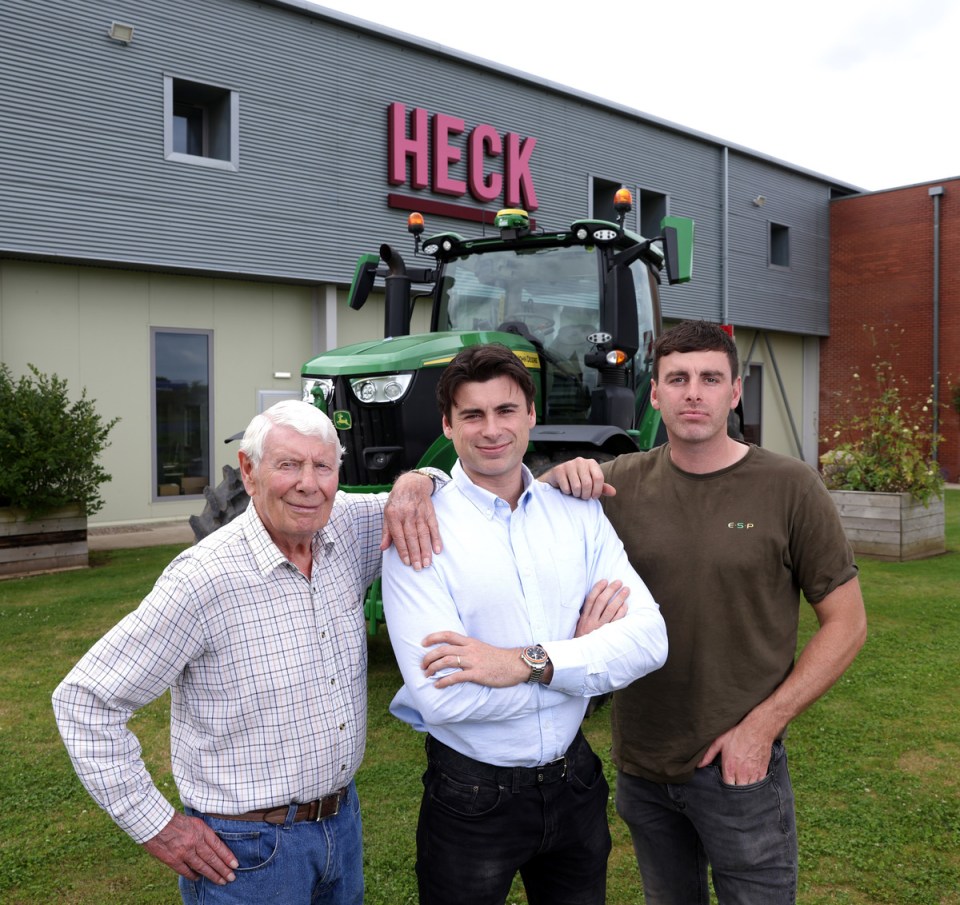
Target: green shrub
[{"x": 49, "y": 447}]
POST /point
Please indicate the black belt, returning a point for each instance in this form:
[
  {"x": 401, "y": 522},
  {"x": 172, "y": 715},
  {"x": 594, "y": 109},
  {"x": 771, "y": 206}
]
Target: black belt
[
  {"x": 328, "y": 806},
  {"x": 558, "y": 770}
]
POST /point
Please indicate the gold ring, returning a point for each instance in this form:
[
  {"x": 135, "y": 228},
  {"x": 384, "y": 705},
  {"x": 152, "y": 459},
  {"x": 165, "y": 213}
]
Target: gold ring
[{"x": 459, "y": 664}]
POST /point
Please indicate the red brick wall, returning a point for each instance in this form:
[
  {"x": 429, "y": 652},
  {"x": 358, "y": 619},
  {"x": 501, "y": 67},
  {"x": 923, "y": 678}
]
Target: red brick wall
[{"x": 881, "y": 302}]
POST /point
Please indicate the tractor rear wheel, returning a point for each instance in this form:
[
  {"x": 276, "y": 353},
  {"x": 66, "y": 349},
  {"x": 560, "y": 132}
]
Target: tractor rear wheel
[{"x": 224, "y": 503}]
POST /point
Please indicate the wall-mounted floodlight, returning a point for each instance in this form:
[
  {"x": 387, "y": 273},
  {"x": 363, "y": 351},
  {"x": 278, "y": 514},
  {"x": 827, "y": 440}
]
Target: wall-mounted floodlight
[
  {"x": 759, "y": 201},
  {"x": 121, "y": 33}
]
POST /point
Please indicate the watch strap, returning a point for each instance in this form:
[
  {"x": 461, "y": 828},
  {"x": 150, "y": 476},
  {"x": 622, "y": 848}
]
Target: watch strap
[
  {"x": 536, "y": 674},
  {"x": 438, "y": 477}
]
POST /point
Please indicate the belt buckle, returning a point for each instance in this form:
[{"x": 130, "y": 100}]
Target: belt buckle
[
  {"x": 559, "y": 762},
  {"x": 322, "y": 812}
]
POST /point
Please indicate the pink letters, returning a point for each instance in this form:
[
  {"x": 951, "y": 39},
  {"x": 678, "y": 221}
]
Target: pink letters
[
  {"x": 433, "y": 158},
  {"x": 401, "y": 146},
  {"x": 516, "y": 171},
  {"x": 444, "y": 155},
  {"x": 484, "y": 141}
]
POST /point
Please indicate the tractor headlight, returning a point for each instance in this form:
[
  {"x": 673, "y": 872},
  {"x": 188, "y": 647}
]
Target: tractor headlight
[
  {"x": 316, "y": 389},
  {"x": 381, "y": 389}
]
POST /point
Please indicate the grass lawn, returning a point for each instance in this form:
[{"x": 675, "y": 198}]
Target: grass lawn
[{"x": 873, "y": 763}]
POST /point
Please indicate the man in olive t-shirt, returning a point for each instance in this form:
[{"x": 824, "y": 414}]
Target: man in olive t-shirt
[
  {"x": 726, "y": 536},
  {"x": 744, "y": 539}
]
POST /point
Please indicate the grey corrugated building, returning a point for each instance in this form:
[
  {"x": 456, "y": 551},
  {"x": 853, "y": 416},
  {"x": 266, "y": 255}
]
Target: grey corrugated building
[{"x": 183, "y": 207}]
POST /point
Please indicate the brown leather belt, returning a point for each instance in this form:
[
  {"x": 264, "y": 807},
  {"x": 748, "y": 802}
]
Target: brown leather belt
[{"x": 328, "y": 806}]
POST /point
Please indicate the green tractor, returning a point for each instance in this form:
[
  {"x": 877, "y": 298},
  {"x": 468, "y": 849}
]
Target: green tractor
[{"x": 579, "y": 306}]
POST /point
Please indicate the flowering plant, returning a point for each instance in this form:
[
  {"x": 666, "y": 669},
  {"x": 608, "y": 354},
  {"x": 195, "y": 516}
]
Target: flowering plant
[{"x": 884, "y": 446}]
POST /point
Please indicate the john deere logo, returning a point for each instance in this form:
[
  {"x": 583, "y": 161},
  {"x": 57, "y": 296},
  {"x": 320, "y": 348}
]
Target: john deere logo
[{"x": 342, "y": 421}]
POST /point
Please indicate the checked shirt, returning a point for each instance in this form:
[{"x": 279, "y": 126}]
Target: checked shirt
[{"x": 266, "y": 671}]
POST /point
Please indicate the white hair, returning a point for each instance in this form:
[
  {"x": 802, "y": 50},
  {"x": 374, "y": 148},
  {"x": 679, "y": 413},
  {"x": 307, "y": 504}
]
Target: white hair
[{"x": 304, "y": 418}]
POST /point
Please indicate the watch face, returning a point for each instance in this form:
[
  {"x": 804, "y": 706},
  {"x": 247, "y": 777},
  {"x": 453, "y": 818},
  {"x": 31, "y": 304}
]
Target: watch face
[{"x": 535, "y": 655}]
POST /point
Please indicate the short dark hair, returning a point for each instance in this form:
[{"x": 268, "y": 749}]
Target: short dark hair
[
  {"x": 478, "y": 364},
  {"x": 696, "y": 336}
]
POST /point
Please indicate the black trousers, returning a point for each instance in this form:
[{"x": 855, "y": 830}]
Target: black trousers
[{"x": 480, "y": 824}]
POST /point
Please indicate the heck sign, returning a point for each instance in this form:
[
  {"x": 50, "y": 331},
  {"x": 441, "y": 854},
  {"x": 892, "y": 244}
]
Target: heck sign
[{"x": 427, "y": 143}]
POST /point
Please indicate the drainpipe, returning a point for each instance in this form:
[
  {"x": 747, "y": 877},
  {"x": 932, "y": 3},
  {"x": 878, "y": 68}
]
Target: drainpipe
[
  {"x": 936, "y": 193},
  {"x": 725, "y": 241}
]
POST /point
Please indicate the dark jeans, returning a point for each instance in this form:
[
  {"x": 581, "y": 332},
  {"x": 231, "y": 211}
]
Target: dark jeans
[
  {"x": 747, "y": 834},
  {"x": 481, "y": 824}
]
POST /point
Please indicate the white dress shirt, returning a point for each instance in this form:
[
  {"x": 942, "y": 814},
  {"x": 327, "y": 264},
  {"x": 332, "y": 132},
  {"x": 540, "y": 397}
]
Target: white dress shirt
[{"x": 511, "y": 579}]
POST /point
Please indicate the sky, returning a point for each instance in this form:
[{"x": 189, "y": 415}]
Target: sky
[{"x": 861, "y": 91}]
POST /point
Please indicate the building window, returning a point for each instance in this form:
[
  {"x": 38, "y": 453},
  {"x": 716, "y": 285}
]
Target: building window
[
  {"x": 653, "y": 208},
  {"x": 752, "y": 399},
  {"x": 182, "y": 365},
  {"x": 201, "y": 124},
  {"x": 601, "y": 200},
  {"x": 779, "y": 245},
  {"x": 649, "y": 208},
  {"x": 190, "y": 129}
]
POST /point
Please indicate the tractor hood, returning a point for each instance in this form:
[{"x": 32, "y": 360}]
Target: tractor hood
[{"x": 409, "y": 353}]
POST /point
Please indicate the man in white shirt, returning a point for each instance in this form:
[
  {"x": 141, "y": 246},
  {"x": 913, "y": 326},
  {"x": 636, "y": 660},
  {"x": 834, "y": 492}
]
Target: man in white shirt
[
  {"x": 258, "y": 632},
  {"x": 500, "y": 643}
]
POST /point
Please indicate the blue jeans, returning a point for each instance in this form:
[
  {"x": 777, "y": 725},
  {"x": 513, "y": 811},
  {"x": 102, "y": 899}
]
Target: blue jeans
[
  {"x": 479, "y": 826},
  {"x": 304, "y": 863},
  {"x": 747, "y": 834}
]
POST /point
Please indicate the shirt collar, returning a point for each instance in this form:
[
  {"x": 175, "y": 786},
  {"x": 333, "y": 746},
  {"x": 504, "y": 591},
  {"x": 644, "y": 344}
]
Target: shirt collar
[
  {"x": 485, "y": 501},
  {"x": 266, "y": 554}
]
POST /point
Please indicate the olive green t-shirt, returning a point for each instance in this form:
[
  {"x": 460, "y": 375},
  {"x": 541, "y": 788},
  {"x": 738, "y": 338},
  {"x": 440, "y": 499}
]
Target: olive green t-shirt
[{"x": 726, "y": 556}]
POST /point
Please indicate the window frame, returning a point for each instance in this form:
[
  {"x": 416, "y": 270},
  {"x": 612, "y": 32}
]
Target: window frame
[
  {"x": 155, "y": 495},
  {"x": 778, "y": 243},
  {"x": 609, "y": 187},
  {"x": 647, "y": 198},
  {"x": 752, "y": 373},
  {"x": 171, "y": 103},
  {"x": 638, "y": 220}
]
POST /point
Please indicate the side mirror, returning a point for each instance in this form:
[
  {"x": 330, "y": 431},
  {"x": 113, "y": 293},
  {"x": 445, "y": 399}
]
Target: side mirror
[
  {"x": 678, "y": 248},
  {"x": 363, "y": 279}
]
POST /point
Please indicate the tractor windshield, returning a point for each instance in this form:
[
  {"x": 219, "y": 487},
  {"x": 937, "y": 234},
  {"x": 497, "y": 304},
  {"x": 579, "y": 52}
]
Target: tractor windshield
[
  {"x": 548, "y": 290},
  {"x": 552, "y": 297}
]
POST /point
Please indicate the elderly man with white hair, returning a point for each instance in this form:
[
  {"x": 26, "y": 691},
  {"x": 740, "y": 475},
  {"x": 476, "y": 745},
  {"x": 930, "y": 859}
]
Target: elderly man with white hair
[{"x": 258, "y": 631}]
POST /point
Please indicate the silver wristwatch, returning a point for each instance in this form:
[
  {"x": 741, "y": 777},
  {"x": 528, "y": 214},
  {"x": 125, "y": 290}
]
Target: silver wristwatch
[
  {"x": 438, "y": 477},
  {"x": 537, "y": 659}
]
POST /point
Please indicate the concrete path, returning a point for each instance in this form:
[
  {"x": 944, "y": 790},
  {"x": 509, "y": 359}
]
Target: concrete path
[{"x": 124, "y": 537}]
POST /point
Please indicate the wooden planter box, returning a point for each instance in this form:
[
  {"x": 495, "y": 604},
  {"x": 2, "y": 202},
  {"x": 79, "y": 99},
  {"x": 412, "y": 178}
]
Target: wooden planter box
[
  {"x": 49, "y": 543},
  {"x": 893, "y": 526}
]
